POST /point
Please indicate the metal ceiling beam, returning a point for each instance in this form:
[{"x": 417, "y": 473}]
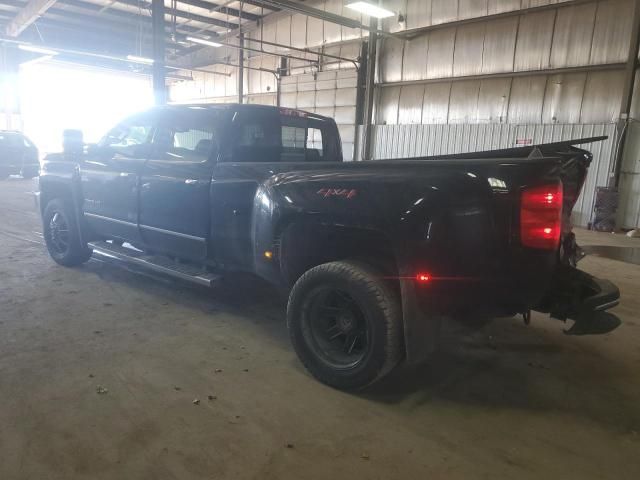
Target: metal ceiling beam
[
  {"x": 229, "y": 64},
  {"x": 113, "y": 15},
  {"x": 118, "y": 37},
  {"x": 257, "y": 3},
  {"x": 304, "y": 50},
  {"x": 409, "y": 34},
  {"x": 102, "y": 56},
  {"x": 233, "y": 12},
  {"x": 109, "y": 32},
  {"x": 182, "y": 14},
  {"x": 241, "y": 46},
  {"x": 521, "y": 73},
  {"x": 29, "y": 14},
  {"x": 108, "y": 37},
  {"x": 207, "y": 55},
  {"x": 322, "y": 15}
]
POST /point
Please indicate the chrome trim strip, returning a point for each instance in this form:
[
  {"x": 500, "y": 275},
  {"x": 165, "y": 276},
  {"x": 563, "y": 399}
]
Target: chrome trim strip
[
  {"x": 109, "y": 219},
  {"x": 176, "y": 234}
]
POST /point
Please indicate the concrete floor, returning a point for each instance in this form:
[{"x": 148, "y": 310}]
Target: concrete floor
[{"x": 507, "y": 402}]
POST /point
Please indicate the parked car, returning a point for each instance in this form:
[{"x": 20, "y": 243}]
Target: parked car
[
  {"x": 372, "y": 255},
  {"x": 18, "y": 155}
]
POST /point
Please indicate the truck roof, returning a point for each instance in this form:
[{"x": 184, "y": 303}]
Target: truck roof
[{"x": 247, "y": 107}]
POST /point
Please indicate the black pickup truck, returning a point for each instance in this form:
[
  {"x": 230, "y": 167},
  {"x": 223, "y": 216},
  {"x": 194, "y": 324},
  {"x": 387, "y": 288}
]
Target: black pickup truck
[
  {"x": 372, "y": 255},
  {"x": 18, "y": 155}
]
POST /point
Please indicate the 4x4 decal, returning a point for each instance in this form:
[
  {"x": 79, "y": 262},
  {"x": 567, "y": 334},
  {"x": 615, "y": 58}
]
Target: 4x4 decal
[{"x": 338, "y": 192}]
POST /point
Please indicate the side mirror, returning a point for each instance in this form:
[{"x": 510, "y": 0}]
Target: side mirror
[{"x": 72, "y": 141}]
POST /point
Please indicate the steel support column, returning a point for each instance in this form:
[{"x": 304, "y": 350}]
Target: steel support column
[
  {"x": 627, "y": 93},
  {"x": 360, "y": 96},
  {"x": 241, "y": 69},
  {"x": 282, "y": 70},
  {"x": 370, "y": 87},
  {"x": 10, "y": 106},
  {"x": 159, "y": 70}
]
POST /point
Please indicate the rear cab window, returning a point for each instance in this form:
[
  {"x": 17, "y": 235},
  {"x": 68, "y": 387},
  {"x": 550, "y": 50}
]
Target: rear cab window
[
  {"x": 190, "y": 135},
  {"x": 270, "y": 135}
]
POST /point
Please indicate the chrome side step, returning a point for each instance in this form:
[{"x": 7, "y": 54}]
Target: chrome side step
[{"x": 155, "y": 263}]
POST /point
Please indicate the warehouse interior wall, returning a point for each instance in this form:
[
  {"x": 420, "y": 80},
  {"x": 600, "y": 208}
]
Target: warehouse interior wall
[
  {"x": 629, "y": 212},
  {"x": 561, "y": 64}
]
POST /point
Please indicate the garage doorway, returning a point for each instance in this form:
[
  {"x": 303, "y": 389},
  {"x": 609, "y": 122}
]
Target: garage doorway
[{"x": 55, "y": 97}]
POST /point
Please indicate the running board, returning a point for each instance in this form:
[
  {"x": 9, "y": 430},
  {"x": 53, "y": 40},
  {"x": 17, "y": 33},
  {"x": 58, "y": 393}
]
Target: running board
[{"x": 155, "y": 263}]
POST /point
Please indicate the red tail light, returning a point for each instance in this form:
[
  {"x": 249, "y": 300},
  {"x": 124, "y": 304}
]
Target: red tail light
[{"x": 541, "y": 216}]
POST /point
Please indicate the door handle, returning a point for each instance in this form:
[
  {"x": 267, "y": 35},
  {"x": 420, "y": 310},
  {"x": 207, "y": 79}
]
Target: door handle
[
  {"x": 191, "y": 181},
  {"x": 125, "y": 174}
]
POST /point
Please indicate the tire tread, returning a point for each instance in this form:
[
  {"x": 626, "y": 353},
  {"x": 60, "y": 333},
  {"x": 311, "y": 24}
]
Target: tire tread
[{"x": 385, "y": 299}]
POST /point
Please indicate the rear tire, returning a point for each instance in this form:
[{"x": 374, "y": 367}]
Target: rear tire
[
  {"x": 345, "y": 324},
  {"x": 62, "y": 235}
]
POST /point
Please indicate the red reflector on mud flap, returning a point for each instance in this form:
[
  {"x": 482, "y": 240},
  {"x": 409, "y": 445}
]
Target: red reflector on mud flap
[
  {"x": 541, "y": 216},
  {"x": 423, "y": 277}
]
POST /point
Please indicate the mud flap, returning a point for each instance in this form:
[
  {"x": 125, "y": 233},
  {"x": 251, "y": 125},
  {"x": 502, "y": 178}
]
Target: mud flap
[
  {"x": 583, "y": 298},
  {"x": 421, "y": 330}
]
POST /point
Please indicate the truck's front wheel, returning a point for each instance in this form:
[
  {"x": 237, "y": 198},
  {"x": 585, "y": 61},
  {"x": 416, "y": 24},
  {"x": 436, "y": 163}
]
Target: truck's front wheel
[
  {"x": 345, "y": 323},
  {"x": 62, "y": 235}
]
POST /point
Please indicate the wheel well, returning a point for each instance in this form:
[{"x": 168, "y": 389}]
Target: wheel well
[
  {"x": 303, "y": 246},
  {"x": 53, "y": 191}
]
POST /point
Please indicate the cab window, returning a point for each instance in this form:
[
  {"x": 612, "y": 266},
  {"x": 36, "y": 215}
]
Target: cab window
[
  {"x": 131, "y": 137},
  {"x": 189, "y": 136},
  {"x": 267, "y": 136},
  {"x": 256, "y": 137}
]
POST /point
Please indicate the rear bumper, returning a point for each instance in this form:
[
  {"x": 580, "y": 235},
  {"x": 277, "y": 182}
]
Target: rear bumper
[
  {"x": 607, "y": 296},
  {"x": 583, "y": 298}
]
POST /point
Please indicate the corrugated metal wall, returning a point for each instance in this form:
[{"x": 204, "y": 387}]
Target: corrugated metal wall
[
  {"x": 332, "y": 94},
  {"x": 571, "y": 36},
  {"x": 402, "y": 141},
  {"x": 421, "y": 81},
  {"x": 629, "y": 212}
]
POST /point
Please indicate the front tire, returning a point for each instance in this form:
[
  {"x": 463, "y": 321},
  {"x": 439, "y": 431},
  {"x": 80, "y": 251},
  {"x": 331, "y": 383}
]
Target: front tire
[
  {"x": 345, "y": 324},
  {"x": 62, "y": 235}
]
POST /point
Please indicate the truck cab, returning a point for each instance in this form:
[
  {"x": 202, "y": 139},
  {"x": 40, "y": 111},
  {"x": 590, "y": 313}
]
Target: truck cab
[{"x": 181, "y": 180}]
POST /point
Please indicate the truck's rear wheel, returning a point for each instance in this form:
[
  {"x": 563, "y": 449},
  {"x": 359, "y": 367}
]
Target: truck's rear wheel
[
  {"x": 62, "y": 236},
  {"x": 345, "y": 324}
]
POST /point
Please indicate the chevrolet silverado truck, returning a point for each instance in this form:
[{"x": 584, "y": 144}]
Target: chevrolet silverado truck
[{"x": 373, "y": 256}]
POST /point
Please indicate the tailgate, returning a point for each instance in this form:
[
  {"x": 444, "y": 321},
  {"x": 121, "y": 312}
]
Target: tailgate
[{"x": 513, "y": 247}]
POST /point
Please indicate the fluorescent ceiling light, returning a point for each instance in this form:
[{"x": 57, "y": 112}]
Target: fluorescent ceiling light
[
  {"x": 136, "y": 59},
  {"x": 44, "y": 58},
  {"x": 34, "y": 49},
  {"x": 202, "y": 41},
  {"x": 370, "y": 9}
]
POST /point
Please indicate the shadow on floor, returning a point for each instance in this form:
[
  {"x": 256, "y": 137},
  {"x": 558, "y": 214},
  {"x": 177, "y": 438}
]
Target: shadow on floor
[{"x": 503, "y": 365}]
